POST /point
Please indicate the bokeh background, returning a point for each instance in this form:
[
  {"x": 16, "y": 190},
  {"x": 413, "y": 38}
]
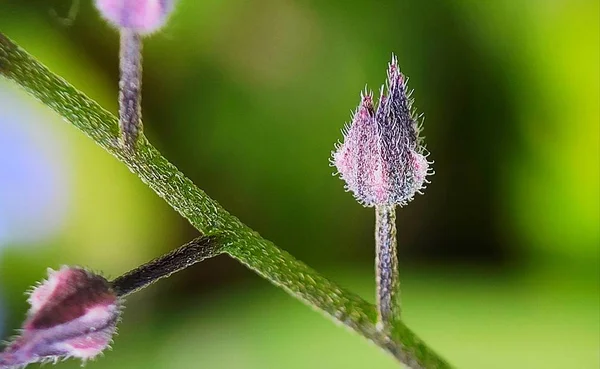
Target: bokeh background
[{"x": 499, "y": 260}]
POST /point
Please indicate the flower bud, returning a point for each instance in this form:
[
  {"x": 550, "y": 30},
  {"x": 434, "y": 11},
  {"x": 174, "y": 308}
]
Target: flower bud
[
  {"x": 73, "y": 314},
  {"x": 141, "y": 16},
  {"x": 381, "y": 158}
]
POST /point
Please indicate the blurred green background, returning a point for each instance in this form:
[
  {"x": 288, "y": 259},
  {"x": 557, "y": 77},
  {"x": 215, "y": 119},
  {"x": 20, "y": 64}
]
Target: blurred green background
[{"x": 500, "y": 260}]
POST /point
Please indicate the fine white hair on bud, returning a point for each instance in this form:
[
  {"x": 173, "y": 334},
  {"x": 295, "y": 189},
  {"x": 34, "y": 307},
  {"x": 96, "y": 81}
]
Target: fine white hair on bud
[
  {"x": 381, "y": 158},
  {"x": 141, "y": 16},
  {"x": 73, "y": 313}
]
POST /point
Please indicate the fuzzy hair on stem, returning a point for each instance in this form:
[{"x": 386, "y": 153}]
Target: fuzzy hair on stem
[
  {"x": 386, "y": 266},
  {"x": 130, "y": 88},
  {"x": 193, "y": 252}
]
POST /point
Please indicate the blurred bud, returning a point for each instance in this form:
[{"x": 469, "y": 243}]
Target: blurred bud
[
  {"x": 141, "y": 16},
  {"x": 381, "y": 158},
  {"x": 73, "y": 314}
]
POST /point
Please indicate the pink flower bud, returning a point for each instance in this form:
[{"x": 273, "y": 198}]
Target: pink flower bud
[
  {"x": 381, "y": 158},
  {"x": 141, "y": 16},
  {"x": 73, "y": 314}
]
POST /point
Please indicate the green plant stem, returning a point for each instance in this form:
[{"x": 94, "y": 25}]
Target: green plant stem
[
  {"x": 204, "y": 213},
  {"x": 386, "y": 266}
]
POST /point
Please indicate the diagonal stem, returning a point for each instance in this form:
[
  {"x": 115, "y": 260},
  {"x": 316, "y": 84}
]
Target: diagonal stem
[
  {"x": 193, "y": 252},
  {"x": 204, "y": 213}
]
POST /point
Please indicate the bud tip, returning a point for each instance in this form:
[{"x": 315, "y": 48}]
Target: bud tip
[{"x": 381, "y": 158}]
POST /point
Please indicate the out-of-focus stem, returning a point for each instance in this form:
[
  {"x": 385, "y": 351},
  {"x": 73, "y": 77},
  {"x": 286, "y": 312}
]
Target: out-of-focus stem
[
  {"x": 130, "y": 88},
  {"x": 386, "y": 266}
]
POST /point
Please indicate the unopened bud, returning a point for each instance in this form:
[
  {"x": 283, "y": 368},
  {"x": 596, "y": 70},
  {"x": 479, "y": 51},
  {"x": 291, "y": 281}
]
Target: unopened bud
[
  {"x": 141, "y": 16},
  {"x": 381, "y": 158},
  {"x": 73, "y": 314}
]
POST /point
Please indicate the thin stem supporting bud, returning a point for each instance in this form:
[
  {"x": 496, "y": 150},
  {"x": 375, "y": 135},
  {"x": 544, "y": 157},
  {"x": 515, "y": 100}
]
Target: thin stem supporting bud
[
  {"x": 193, "y": 252},
  {"x": 130, "y": 87},
  {"x": 386, "y": 266}
]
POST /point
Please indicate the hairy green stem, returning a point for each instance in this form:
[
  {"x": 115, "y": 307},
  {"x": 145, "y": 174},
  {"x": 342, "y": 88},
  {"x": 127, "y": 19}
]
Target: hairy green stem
[
  {"x": 386, "y": 266},
  {"x": 204, "y": 213}
]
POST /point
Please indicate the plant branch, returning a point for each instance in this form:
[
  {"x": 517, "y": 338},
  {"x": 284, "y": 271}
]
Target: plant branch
[
  {"x": 193, "y": 252},
  {"x": 130, "y": 87},
  {"x": 204, "y": 213},
  {"x": 386, "y": 266}
]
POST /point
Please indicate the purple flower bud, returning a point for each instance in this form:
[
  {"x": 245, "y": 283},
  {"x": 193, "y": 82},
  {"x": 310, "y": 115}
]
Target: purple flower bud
[
  {"x": 141, "y": 16},
  {"x": 73, "y": 314},
  {"x": 381, "y": 159}
]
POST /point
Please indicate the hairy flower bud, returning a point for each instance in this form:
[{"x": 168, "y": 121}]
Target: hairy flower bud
[
  {"x": 381, "y": 158},
  {"x": 73, "y": 314},
  {"x": 141, "y": 16}
]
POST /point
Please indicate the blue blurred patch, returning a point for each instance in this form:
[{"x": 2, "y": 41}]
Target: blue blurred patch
[{"x": 33, "y": 182}]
